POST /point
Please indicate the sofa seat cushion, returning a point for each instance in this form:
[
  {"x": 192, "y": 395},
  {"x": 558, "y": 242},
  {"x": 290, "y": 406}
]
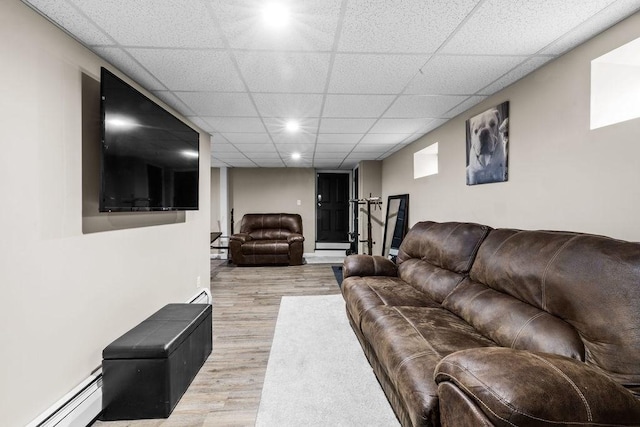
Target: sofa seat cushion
[
  {"x": 409, "y": 342},
  {"x": 265, "y": 247},
  {"x": 362, "y": 293}
]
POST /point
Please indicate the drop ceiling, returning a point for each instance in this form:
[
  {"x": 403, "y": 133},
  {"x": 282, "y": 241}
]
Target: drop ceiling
[{"x": 363, "y": 78}]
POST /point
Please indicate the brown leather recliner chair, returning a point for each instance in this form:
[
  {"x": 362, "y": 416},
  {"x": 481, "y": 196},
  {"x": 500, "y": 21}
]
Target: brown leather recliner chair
[{"x": 268, "y": 239}]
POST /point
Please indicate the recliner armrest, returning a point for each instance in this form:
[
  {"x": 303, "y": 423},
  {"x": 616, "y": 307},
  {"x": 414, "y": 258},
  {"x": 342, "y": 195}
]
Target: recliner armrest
[
  {"x": 295, "y": 238},
  {"x": 240, "y": 237},
  {"x": 368, "y": 265},
  {"x": 516, "y": 387}
]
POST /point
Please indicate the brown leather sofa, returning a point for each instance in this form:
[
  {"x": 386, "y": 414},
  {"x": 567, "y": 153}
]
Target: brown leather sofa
[
  {"x": 268, "y": 239},
  {"x": 497, "y": 327}
]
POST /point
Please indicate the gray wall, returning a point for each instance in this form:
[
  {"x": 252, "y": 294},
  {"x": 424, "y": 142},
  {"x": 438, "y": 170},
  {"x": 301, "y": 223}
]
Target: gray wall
[
  {"x": 562, "y": 175},
  {"x": 67, "y": 293}
]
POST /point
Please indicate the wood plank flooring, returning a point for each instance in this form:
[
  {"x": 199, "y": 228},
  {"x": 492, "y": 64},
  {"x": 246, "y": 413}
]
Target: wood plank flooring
[{"x": 226, "y": 391}]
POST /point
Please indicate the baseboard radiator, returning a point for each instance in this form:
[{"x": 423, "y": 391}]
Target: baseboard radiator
[{"x": 83, "y": 404}]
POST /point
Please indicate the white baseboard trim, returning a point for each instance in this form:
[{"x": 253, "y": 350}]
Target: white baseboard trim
[
  {"x": 77, "y": 408},
  {"x": 83, "y": 404}
]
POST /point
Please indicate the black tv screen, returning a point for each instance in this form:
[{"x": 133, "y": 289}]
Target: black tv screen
[{"x": 149, "y": 157}]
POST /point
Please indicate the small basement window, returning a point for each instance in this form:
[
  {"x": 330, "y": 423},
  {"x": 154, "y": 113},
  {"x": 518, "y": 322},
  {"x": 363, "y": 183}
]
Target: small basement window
[
  {"x": 615, "y": 86},
  {"x": 425, "y": 161}
]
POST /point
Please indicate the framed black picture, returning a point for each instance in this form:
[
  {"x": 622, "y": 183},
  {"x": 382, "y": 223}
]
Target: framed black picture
[{"x": 488, "y": 146}]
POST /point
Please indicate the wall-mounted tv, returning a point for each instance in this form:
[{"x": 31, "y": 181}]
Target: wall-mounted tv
[{"x": 150, "y": 158}]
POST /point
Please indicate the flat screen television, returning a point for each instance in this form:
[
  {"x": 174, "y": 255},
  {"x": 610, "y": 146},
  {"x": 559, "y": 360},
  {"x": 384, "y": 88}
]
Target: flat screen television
[{"x": 150, "y": 158}]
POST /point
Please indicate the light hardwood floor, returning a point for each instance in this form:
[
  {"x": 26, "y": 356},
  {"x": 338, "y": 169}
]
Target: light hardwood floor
[{"x": 226, "y": 391}]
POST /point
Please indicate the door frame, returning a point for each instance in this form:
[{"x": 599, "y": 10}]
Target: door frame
[{"x": 315, "y": 198}]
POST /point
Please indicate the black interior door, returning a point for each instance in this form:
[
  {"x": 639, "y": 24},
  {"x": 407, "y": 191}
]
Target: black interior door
[{"x": 332, "y": 211}]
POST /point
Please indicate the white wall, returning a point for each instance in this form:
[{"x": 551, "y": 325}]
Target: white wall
[
  {"x": 562, "y": 175},
  {"x": 65, "y": 295}
]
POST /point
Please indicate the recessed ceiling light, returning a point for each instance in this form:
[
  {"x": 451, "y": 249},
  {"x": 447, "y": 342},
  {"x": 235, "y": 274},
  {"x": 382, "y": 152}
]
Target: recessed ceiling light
[
  {"x": 292, "y": 126},
  {"x": 275, "y": 15},
  {"x": 295, "y": 156}
]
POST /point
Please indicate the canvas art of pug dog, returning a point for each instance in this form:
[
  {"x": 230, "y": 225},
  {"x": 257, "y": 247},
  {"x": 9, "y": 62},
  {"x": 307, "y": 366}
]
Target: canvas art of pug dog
[{"x": 487, "y": 137}]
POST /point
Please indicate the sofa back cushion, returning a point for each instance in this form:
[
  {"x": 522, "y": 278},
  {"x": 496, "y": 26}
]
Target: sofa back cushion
[
  {"x": 590, "y": 282},
  {"x": 271, "y": 226},
  {"x": 435, "y": 257},
  {"x": 512, "y": 323}
]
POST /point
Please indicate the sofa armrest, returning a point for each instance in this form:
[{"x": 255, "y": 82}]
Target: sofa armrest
[
  {"x": 368, "y": 265},
  {"x": 516, "y": 387},
  {"x": 295, "y": 237},
  {"x": 240, "y": 237}
]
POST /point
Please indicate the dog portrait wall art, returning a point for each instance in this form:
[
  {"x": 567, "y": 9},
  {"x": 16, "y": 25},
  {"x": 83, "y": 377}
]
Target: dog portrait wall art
[{"x": 487, "y": 146}]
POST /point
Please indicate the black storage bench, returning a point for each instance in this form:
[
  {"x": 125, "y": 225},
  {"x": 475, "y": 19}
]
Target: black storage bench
[{"x": 146, "y": 371}]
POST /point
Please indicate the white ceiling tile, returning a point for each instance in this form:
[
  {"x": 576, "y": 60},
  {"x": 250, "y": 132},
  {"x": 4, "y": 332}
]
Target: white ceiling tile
[
  {"x": 302, "y": 148},
  {"x": 153, "y": 23},
  {"x": 384, "y": 138},
  {"x": 339, "y": 138},
  {"x": 279, "y": 125},
  {"x": 450, "y": 74},
  {"x": 357, "y": 157},
  {"x": 205, "y": 126},
  {"x": 464, "y": 106},
  {"x": 223, "y": 147},
  {"x": 333, "y": 155},
  {"x": 373, "y": 25},
  {"x": 262, "y": 155},
  {"x": 288, "y": 105},
  {"x": 294, "y": 139},
  {"x": 515, "y": 74},
  {"x": 328, "y": 149},
  {"x": 247, "y": 138},
  {"x": 345, "y": 125},
  {"x": 219, "y": 103},
  {"x": 208, "y": 70},
  {"x": 358, "y": 106},
  {"x": 173, "y": 101},
  {"x": 284, "y": 71},
  {"x": 68, "y": 17},
  {"x": 241, "y": 163},
  {"x": 520, "y": 27},
  {"x": 251, "y": 80},
  {"x": 229, "y": 155},
  {"x": 255, "y": 148},
  {"x": 312, "y": 25},
  {"x": 266, "y": 163},
  {"x": 235, "y": 124},
  {"x": 411, "y": 106},
  {"x": 328, "y": 164},
  {"x": 595, "y": 25},
  {"x": 130, "y": 67},
  {"x": 375, "y": 74},
  {"x": 400, "y": 125},
  {"x": 432, "y": 125},
  {"x": 373, "y": 148}
]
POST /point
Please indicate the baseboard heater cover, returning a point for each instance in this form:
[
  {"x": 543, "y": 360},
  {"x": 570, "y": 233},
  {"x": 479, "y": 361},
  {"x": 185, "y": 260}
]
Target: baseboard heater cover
[{"x": 83, "y": 404}]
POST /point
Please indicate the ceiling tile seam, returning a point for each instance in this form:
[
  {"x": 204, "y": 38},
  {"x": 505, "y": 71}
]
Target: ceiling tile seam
[
  {"x": 436, "y": 53},
  {"x": 116, "y": 45},
  {"x": 332, "y": 57},
  {"x": 234, "y": 61},
  {"x": 540, "y": 54},
  {"x": 220, "y": 135},
  {"x": 419, "y": 71},
  {"x": 41, "y": 13}
]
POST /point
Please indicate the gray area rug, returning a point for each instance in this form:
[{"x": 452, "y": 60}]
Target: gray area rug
[{"x": 317, "y": 374}]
